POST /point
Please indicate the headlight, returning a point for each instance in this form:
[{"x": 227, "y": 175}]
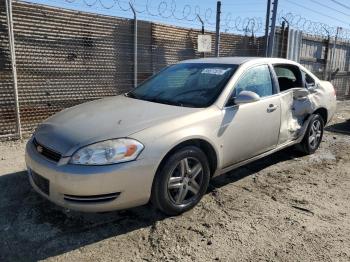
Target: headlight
[{"x": 108, "y": 152}]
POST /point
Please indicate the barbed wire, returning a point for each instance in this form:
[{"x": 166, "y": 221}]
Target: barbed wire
[
  {"x": 251, "y": 25},
  {"x": 168, "y": 9},
  {"x": 159, "y": 8},
  {"x": 312, "y": 27}
]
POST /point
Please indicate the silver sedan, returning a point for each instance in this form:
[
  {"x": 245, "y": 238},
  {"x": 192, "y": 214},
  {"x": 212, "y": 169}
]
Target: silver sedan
[{"x": 166, "y": 139}]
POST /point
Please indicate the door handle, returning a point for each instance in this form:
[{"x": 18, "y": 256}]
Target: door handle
[{"x": 271, "y": 108}]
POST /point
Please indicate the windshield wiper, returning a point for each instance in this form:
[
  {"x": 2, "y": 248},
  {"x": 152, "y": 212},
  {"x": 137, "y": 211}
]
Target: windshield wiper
[
  {"x": 159, "y": 100},
  {"x": 132, "y": 95},
  {"x": 163, "y": 101},
  {"x": 129, "y": 94}
]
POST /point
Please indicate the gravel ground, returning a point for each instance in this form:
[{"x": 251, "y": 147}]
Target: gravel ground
[{"x": 285, "y": 207}]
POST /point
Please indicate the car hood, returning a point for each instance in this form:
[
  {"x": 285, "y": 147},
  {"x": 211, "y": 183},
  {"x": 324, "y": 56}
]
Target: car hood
[{"x": 103, "y": 119}]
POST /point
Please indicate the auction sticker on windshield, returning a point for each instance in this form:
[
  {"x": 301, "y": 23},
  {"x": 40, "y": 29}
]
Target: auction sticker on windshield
[{"x": 215, "y": 71}]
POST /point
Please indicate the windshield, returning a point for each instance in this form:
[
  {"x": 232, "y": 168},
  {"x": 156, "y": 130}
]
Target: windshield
[{"x": 191, "y": 85}]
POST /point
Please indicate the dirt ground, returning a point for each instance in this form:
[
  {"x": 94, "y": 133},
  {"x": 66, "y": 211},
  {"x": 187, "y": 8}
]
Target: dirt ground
[{"x": 285, "y": 207}]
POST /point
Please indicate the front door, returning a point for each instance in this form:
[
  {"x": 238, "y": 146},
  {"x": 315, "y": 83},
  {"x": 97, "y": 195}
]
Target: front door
[{"x": 250, "y": 129}]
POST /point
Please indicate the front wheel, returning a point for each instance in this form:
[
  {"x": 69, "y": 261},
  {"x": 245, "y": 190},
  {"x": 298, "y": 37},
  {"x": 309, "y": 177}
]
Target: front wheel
[
  {"x": 313, "y": 135},
  {"x": 182, "y": 181}
]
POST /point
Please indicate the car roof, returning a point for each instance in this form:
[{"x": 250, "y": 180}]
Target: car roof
[{"x": 237, "y": 60}]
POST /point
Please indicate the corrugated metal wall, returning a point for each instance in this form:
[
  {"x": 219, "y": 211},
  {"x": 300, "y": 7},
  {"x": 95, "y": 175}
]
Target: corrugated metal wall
[
  {"x": 312, "y": 56},
  {"x": 67, "y": 57},
  {"x": 342, "y": 62},
  {"x": 294, "y": 45}
]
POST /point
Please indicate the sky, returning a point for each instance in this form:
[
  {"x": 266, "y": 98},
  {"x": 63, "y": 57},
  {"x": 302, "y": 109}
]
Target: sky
[{"x": 237, "y": 15}]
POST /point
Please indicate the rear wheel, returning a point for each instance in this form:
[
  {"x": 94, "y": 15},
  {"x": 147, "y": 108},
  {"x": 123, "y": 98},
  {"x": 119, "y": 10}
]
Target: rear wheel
[
  {"x": 182, "y": 181},
  {"x": 313, "y": 135}
]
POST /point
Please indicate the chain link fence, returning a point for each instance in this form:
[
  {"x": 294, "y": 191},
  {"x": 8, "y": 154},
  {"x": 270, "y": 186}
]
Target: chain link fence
[{"x": 67, "y": 57}]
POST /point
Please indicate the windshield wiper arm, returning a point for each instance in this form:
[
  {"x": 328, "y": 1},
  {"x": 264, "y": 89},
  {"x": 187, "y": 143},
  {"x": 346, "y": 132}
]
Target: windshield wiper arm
[
  {"x": 158, "y": 100},
  {"x": 131, "y": 95}
]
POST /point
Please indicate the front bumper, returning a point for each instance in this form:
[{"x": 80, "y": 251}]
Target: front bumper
[{"x": 85, "y": 188}]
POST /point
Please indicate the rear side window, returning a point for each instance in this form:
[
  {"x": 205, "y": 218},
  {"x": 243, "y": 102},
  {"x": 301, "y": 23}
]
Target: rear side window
[
  {"x": 285, "y": 72},
  {"x": 289, "y": 76},
  {"x": 309, "y": 81},
  {"x": 257, "y": 80}
]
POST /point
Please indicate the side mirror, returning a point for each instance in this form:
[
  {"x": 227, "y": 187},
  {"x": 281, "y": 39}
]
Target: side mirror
[{"x": 246, "y": 97}]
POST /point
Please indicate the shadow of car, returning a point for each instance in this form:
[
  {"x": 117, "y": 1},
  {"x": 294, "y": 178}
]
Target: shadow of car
[
  {"x": 343, "y": 127},
  {"x": 33, "y": 228}
]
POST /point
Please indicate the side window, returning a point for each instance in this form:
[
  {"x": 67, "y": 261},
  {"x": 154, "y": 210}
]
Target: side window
[
  {"x": 309, "y": 81},
  {"x": 257, "y": 80},
  {"x": 289, "y": 76},
  {"x": 285, "y": 72}
]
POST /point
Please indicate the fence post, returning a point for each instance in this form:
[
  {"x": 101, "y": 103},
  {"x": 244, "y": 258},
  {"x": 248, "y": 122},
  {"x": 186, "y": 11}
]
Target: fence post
[
  {"x": 135, "y": 44},
  {"x": 202, "y": 22},
  {"x": 326, "y": 56},
  {"x": 267, "y": 25},
  {"x": 284, "y": 38},
  {"x": 333, "y": 53},
  {"x": 13, "y": 64},
  {"x": 217, "y": 38},
  {"x": 273, "y": 28}
]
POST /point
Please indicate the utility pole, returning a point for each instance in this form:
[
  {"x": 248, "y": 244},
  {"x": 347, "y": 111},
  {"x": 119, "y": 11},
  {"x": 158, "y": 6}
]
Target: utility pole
[
  {"x": 267, "y": 25},
  {"x": 273, "y": 28},
  {"x": 217, "y": 38}
]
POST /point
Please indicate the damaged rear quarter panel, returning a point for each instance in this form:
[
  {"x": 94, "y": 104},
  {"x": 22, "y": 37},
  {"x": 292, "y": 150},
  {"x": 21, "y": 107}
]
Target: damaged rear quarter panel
[{"x": 298, "y": 103}]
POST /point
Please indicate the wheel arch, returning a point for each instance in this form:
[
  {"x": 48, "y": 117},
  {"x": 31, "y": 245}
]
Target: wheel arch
[
  {"x": 323, "y": 112},
  {"x": 204, "y": 145}
]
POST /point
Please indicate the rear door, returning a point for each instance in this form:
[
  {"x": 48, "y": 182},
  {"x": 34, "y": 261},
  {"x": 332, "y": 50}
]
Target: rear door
[
  {"x": 251, "y": 129},
  {"x": 294, "y": 100}
]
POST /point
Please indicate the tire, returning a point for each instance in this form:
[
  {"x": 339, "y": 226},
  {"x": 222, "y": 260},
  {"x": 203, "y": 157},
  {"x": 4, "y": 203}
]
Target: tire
[
  {"x": 313, "y": 135},
  {"x": 181, "y": 182}
]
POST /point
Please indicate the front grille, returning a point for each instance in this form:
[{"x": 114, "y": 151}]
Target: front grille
[
  {"x": 41, "y": 182},
  {"x": 91, "y": 199},
  {"x": 46, "y": 152}
]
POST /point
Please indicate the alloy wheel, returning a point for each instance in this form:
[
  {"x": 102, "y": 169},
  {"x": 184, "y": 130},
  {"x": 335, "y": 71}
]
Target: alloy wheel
[
  {"x": 315, "y": 133},
  {"x": 185, "y": 181}
]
